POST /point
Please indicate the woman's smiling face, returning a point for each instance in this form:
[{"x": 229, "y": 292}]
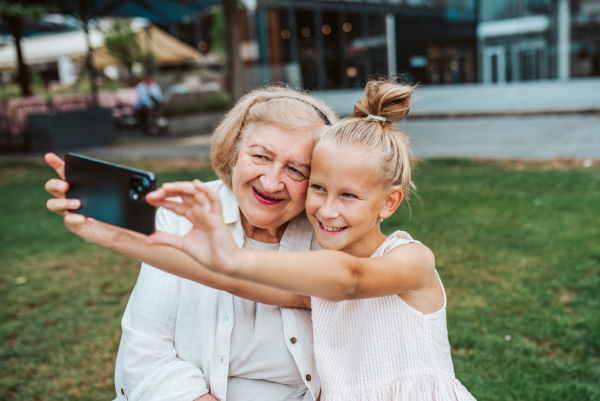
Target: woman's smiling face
[
  {"x": 270, "y": 178},
  {"x": 346, "y": 197}
]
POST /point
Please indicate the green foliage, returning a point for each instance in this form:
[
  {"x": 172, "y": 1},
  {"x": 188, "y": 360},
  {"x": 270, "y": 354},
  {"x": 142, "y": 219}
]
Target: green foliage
[
  {"x": 219, "y": 34},
  {"x": 517, "y": 252},
  {"x": 212, "y": 102},
  {"x": 122, "y": 43},
  {"x": 22, "y": 11}
]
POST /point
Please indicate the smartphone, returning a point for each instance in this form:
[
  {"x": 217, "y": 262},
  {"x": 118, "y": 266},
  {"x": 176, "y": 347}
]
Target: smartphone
[{"x": 111, "y": 193}]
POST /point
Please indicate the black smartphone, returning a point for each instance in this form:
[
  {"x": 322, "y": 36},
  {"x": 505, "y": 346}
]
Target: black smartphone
[{"x": 111, "y": 193}]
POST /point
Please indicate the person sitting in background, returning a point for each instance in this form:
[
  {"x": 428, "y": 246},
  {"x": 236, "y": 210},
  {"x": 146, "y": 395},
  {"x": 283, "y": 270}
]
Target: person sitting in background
[{"x": 149, "y": 98}]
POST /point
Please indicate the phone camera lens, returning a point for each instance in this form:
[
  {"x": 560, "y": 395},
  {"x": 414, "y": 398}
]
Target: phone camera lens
[{"x": 139, "y": 184}]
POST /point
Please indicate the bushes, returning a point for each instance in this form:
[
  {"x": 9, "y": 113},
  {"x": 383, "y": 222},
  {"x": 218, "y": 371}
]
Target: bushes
[{"x": 210, "y": 102}]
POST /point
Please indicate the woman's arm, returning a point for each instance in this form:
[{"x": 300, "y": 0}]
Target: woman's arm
[
  {"x": 331, "y": 275},
  {"x": 165, "y": 258},
  {"x": 181, "y": 264}
]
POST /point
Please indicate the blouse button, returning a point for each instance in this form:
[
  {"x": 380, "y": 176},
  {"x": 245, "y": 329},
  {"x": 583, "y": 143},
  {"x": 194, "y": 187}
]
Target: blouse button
[
  {"x": 308, "y": 378},
  {"x": 122, "y": 391},
  {"x": 293, "y": 340}
]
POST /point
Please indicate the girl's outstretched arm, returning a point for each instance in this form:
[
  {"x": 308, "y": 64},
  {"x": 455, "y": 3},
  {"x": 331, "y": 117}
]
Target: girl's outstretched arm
[
  {"x": 179, "y": 263},
  {"x": 331, "y": 275}
]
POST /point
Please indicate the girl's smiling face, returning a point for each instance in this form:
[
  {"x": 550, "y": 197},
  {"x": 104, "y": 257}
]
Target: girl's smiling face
[{"x": 346, "y": 199}]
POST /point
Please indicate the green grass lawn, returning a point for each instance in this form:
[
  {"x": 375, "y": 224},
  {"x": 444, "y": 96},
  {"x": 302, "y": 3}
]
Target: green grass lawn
[{"x": 517, "y": 249}]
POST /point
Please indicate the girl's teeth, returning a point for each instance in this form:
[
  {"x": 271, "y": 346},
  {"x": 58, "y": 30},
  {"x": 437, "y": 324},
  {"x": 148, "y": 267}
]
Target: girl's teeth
[{"x": 334, "y": 229}]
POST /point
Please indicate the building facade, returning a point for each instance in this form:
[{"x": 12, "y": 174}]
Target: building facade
[
  {"x": 339, "y": 44},
  {"x": 529, "y": 40}
]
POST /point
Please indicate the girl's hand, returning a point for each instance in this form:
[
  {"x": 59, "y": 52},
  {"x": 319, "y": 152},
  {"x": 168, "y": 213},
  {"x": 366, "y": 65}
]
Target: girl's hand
[
  {"x": 87, "y": 228},
  {"x": 209, "y": 241}
]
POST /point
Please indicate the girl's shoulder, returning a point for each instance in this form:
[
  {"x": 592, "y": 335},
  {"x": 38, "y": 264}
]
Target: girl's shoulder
[{"x": 394, "y": 240}]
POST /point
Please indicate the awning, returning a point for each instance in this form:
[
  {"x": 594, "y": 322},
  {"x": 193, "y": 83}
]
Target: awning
[{"x": 165, "y": 48}]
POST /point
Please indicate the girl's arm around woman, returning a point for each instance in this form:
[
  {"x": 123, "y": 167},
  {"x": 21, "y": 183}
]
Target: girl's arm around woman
[{"x": 331, "y": 275}]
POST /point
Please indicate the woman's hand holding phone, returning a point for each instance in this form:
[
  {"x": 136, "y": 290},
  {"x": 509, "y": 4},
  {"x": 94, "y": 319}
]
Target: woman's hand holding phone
[
  {"x": 87, "y": 228},
  {"x": 209, "y": 241}
]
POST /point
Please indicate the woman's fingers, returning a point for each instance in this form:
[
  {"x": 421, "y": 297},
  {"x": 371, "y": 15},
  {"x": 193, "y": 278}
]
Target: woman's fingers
[
  {"x": 57, "y": 188},
  {"x": 72, "y": 219},
  {"x": 56, "y": 163},
  {"x": 62, "y": 206}
]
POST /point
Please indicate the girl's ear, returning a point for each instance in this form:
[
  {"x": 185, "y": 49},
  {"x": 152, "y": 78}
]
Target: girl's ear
[{"x": 392, "y": 203}]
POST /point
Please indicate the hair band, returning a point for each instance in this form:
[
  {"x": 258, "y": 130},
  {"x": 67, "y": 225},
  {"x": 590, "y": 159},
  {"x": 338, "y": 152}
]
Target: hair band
[
  {"x": 323, "y": 116},
  {"x": 376, "y": 118}
]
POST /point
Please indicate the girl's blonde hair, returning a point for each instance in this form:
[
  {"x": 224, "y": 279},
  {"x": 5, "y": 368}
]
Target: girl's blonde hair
[
  {"x": 286, "y": 108},
  {"x": 389, "y": 147}
]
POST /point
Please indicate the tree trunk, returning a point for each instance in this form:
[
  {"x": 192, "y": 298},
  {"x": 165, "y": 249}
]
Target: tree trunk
[
  {"x": 15, "y": 25},
  {"x": 233, "y": 49},
  {"x": 90, "y": 64}
]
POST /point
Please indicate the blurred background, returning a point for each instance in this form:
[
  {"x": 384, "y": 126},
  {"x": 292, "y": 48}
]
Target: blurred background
[
  {"x": 80, "y": 61},
  {"x": 505, "y": 124}
]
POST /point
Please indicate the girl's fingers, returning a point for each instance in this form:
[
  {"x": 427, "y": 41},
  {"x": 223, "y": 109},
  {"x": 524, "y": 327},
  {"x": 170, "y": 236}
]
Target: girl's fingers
[
  {"x": 62, "y": 206},
  {"x": 201, "y": 199},
  {"x": 177, "y": 207},
  {"x": 212, "y": 195},
  {"x": 162, "y": 238},
  {"x": 184, "y": 190},
  {"x": 179, "y": 188},
  {"x": 56, "y": 163},
  {"x": 57, "y": 188},
  {"x": 156, "y": 198}
]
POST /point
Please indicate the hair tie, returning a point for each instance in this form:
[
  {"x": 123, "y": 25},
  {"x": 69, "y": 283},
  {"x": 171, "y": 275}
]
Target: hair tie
[{"x": 376, "y": 118}]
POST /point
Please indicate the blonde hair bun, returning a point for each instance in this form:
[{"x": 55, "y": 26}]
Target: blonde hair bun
[
  {"x": 389, "y": 148},
  {"x": 385, "y": 98}
]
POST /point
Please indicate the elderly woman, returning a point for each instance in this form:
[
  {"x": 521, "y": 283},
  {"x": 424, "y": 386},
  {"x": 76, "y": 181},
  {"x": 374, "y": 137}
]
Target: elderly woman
[{"x": 184, "y": 341}]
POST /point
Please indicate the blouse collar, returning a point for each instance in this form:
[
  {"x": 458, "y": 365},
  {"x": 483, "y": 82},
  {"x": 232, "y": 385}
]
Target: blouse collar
[{"x": 297, "y": 236}]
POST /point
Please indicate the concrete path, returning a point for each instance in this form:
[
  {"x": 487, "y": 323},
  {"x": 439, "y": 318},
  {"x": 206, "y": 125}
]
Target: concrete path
[
  {"x": 532, "y": 137},
  {"x": 535, "y": 137},
  {"x": 577, "y": 95}
]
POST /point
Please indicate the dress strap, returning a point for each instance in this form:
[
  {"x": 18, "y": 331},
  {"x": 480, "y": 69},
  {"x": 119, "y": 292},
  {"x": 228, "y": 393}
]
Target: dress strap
[
  {"x": 442, "y": 287},
  {"x": 395, "y": 239}
]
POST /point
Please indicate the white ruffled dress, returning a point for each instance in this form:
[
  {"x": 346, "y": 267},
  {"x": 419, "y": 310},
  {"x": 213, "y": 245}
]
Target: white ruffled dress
[{"x": 382, "y": 349}]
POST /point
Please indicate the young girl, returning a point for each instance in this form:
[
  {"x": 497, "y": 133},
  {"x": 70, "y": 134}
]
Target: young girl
[{"x": 378, "y": 305}]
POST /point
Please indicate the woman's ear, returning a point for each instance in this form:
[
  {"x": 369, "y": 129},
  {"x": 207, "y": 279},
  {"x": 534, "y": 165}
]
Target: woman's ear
[{"x": 393, "y": 201}]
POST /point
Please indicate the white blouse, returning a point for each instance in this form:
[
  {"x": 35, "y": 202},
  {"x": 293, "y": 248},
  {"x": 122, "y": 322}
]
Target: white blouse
[
  {"x": 177, "y": 334},
  {"x": 260, "y": 365}
]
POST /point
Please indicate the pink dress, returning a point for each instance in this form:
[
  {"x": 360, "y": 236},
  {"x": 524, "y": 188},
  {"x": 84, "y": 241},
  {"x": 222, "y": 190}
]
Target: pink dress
[{"x": 383, "y": 349}]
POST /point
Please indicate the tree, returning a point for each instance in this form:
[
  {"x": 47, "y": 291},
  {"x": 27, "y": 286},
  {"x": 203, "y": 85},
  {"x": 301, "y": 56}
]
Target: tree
[
  {"x": 122, "y": 43},
  {"x": 231, "y": 12},
  {"x": 218, "y": 35},
  {"x": 16, "y": 16}
]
